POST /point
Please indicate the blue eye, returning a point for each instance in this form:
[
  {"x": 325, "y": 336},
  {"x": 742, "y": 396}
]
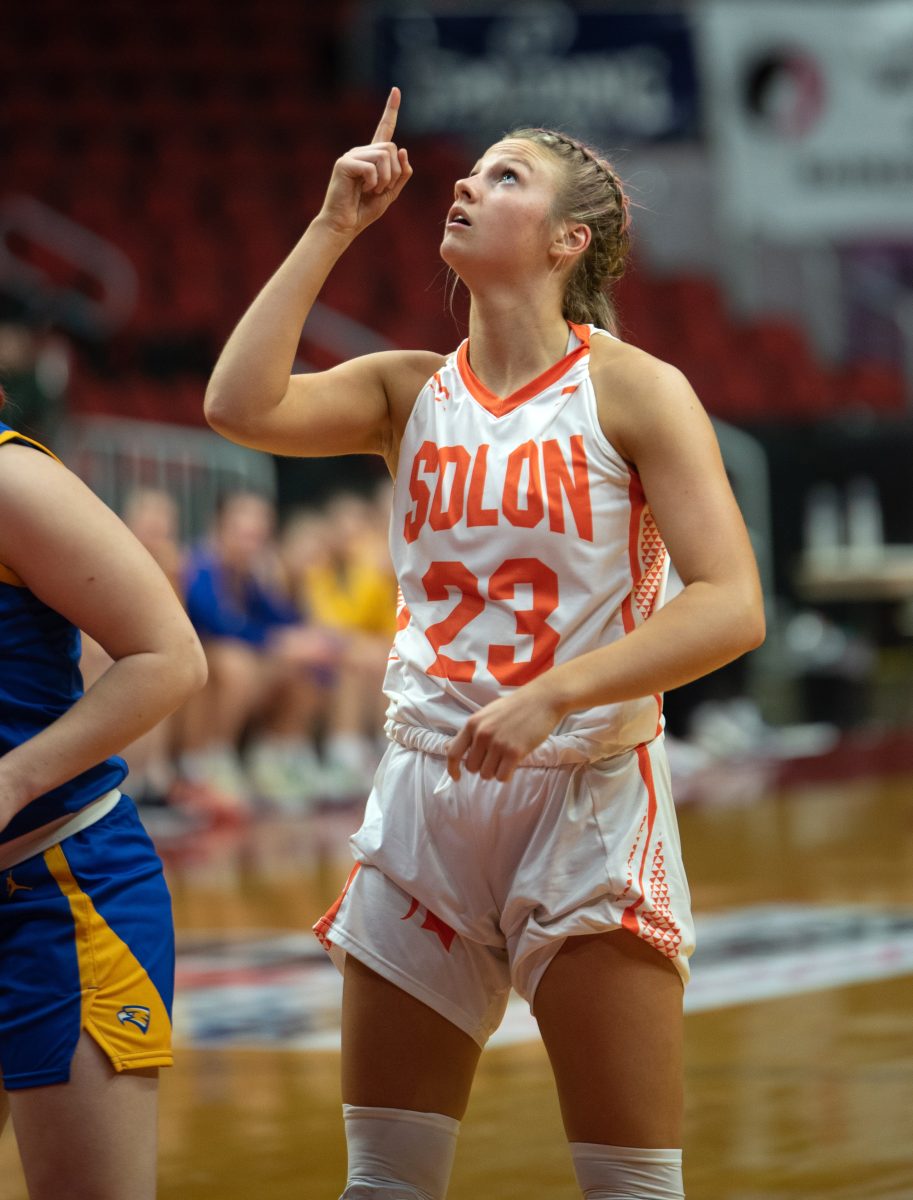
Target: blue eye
[{"x": 508, "y": 173}]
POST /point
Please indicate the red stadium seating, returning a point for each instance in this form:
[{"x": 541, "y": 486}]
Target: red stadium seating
[{"x": 198, "y": 138}]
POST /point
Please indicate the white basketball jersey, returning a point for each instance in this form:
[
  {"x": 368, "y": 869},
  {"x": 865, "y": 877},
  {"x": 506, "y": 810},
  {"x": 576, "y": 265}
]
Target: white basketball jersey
[{"x": 521, "y": 539}]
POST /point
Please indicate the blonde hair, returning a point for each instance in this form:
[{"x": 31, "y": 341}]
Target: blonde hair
[{"x": 592, "y": 194}]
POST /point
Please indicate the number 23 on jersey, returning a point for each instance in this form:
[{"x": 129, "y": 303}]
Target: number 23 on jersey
[{"x": 442, "y": 578}]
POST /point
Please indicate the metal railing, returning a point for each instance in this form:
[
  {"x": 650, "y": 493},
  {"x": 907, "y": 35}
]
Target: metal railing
[
  {"x": 94, "y": 263},
  {"x": 116, "y": 456}
]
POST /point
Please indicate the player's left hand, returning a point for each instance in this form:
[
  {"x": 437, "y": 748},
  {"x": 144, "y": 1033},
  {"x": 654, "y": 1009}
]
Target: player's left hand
[{"x": 495, "y": 739}]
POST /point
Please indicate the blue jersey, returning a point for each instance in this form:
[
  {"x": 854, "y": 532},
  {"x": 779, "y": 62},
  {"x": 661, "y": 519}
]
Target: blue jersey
[
  {"x": 39, "y": 682},
  {"x": 221, "y": 605}
]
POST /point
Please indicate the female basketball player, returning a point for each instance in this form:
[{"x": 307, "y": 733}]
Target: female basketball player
[
  {"x": 86, "y": 939},
  {"x": 520, "y": 830}
]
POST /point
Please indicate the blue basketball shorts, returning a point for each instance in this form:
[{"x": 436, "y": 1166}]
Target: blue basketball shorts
[{"x": 86, "y": 942}]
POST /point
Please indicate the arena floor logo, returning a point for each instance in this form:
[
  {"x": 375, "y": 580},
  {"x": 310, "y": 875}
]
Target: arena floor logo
[{"x": 282, "y": 990}]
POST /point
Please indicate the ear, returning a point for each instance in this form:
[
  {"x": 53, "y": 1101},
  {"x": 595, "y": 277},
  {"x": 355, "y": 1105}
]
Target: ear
[{"x": 571, "y": 240}]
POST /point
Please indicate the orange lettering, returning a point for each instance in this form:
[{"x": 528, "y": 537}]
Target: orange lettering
[
  {"x": 439, "y": 517},
  {"x": 577, "y": 490},
  {"x": 475, "y": 513},
  {"x": 510, "y": 501},
  {"x": 502, "y": 662},
  {"x": 419, "y": 491},
  {"x": 439, "y": 579}
]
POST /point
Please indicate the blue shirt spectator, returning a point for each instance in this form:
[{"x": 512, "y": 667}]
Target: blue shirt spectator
[{"x": 225, "y": 603}]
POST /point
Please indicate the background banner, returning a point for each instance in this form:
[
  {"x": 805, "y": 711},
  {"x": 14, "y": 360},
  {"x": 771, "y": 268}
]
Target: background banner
[
  {"x": 620, "y": 77},
  {"x": 811, "y": 114}
]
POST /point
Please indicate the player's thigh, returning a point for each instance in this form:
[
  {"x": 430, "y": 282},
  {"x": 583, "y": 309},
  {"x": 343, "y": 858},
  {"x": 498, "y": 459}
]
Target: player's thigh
[
  {"x": 4, "y": 1107},
  {"x": 610, "y": 1010},
  {"x": 397, "y": 1052},
  {"x": 93, "y": 1138}
]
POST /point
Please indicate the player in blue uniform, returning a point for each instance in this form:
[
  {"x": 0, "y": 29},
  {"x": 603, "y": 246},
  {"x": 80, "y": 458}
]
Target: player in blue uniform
[{"x": 86, "y": 936}]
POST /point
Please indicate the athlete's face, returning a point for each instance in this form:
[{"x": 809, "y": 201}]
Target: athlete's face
[
  {"x": 502, "y": 211},
  {"x": 244, "y": 531}
]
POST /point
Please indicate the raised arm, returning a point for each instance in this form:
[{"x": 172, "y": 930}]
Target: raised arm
[
  {"x": 74, "y": 554},
  {"x": 252, "y": 397}
]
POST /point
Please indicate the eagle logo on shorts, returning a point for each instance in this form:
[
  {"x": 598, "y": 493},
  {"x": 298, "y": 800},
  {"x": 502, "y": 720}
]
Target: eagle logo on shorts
[{"x": 136, "y": 1014}]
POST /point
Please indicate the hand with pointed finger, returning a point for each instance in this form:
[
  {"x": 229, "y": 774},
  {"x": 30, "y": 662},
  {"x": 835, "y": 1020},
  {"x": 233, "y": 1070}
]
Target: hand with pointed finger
[
  {"x": 367, "y": 179},
  {"x": 496, "y": 738}
]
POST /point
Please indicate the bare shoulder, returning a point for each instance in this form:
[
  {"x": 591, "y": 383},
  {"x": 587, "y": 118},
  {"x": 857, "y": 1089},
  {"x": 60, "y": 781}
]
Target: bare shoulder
[
  {"x": 639, "y": 396},
  {"x": 38, "y": 496},
  {"x": 28, "y": 471},
  {"x": 405, "y": 374}
]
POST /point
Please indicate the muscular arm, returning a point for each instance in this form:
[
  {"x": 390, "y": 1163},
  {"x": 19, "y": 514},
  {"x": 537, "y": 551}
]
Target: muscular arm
[
  {"x": 651, "y": 415},
  {"x": 252, "y": 397},
  {"x": 74, "y": 554}
]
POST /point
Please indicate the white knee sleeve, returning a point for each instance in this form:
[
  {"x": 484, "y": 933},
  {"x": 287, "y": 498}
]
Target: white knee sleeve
[
  {"x": 627, "y": 1172},
  {"x": 398, "y": 1154}
]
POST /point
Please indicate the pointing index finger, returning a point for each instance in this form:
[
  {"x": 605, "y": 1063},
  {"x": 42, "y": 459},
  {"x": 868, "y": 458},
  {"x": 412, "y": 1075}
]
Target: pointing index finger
[{"x": 387, "y": 124}]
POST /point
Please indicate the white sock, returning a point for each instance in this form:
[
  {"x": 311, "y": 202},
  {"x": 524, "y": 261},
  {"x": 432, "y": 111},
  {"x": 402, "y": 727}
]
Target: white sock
[
  {"x": 398, "y": 1154},
  {"x": 627, "y": 1172}
]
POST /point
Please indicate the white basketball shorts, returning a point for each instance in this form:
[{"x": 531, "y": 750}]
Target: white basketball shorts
[{"x": 464, "y": 888}]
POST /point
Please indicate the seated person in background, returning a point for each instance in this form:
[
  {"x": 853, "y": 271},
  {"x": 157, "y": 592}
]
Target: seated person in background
[
  {"x": 265, "y": 665},
  {"x": 340, "y": 571},
  {"x": 152, "y": 516}
]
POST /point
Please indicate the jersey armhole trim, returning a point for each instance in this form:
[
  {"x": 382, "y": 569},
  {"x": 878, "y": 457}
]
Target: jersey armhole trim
[{"x": 11, "y": 435}]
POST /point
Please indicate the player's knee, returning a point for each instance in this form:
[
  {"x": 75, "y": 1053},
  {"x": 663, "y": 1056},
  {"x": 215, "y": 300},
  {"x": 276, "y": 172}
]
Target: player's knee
[
  {"x": 397, "y": 1154},
  {"x": 627, "y": 1172}
]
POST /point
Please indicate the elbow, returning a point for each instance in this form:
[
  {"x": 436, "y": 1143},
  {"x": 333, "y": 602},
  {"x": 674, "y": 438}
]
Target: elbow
[
  {"x": 226, "y": 406},
  {"x": 189, "y": 670},
  {"x": 753, "y": 626},
  {"x": 198, "y": 671},
  {"x": 758, "y": 634},
  {"x": 239, "y": 416},
  {"x": 217, "y": 409}
]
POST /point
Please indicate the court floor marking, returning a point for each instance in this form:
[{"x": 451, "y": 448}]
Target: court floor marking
[{"x": 281, "y": 990}]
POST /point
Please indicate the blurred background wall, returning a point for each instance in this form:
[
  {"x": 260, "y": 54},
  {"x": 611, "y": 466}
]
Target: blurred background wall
[{"x": 159, "y": 159}]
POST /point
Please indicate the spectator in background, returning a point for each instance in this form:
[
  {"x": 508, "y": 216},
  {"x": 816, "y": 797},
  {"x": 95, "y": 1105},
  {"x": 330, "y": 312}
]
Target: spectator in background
[
  {"x": 340, "y": 572},
  {"x": 152, "y": 517},
  {"x": 267, "y": 668}
]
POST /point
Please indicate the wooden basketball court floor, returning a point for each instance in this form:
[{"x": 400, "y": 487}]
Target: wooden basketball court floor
[{"x": 799, "y": 1027}]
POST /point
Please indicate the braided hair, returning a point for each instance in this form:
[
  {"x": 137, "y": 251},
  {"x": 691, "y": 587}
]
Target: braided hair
[{"x": 591, "y": 193}]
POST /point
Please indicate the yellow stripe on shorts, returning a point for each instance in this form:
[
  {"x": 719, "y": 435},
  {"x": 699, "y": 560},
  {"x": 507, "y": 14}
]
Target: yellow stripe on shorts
[{"x": 121, "y": 1006}]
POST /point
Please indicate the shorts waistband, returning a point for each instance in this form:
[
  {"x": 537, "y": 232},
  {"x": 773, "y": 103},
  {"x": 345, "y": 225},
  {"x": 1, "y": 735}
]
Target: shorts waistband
[
  {"x": 39, "y": 840},
  {"x": 558, "y": 750}
]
